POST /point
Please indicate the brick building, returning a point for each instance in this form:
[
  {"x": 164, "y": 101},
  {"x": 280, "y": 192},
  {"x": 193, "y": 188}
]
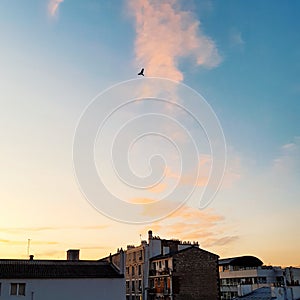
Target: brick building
[
  {"x": 168, "y": 269},
  {"x": 187, "y": 274}
]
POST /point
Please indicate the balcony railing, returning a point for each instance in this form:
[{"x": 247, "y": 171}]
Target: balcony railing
[{"x": 164, "y": 271}]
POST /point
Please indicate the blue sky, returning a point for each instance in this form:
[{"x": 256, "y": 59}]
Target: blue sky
[{"x": 52, "y": 65}]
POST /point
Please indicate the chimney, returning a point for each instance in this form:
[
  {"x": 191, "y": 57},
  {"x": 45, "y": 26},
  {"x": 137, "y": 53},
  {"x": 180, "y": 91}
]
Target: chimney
[
  {"x": 150, "y": 235},
  {"x": 122, "y": 262},
  {"x": 73, "y": 254}
]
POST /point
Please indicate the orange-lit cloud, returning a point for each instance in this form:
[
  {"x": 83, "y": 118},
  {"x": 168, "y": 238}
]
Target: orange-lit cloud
[
  {"x": 165, "y": 34},
  {"x": 141, "y": 200},
  {"x": 188, "y": 223},
  {"x": 197, "y": 177},
  {"x": 210, "y": 242},
  {"x": 53, "y": 7},
  {"x": 159, "y": 188}
]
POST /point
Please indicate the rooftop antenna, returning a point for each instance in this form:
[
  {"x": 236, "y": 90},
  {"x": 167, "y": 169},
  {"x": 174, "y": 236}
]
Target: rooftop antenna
[{"x": 28, "y": 247}]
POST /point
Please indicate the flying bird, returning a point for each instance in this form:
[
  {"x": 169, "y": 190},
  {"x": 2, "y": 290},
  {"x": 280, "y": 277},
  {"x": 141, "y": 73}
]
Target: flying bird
[{"x": 142, "y": 72}]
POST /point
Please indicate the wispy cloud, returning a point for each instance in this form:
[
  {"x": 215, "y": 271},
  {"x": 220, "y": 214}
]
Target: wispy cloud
[
  {"x": 289, "y": 158},
  {"x": 53, "y": 7},
  {"x": 165, "y": 33},
  {"x": 141, "y": 200},
  {"x": 189, "y": 223},
  {"x": 15, "y": 242},
  {"x": 226, "y": 240},
  {"x": 18, "y": 230},
  {"x": 236, "y": 38},
  {"x": 159, "y": 188}
]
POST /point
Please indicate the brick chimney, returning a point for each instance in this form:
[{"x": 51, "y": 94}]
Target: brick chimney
[{"x": 73, "y": 254}]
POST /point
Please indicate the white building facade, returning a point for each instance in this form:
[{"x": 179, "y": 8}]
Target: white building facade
[
  {"x": 62, "y": 289},
  {"x": 60, "y": 280},
  {"x": 240, "y": 276}
]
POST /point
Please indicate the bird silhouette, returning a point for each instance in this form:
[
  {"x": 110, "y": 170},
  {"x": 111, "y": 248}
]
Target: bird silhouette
[{"x": 142, "y": 72}]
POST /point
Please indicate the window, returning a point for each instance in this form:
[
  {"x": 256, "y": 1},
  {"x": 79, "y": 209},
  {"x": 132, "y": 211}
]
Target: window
[
  {"x": 17, "y": 289},
  {"x": 226, "y": 268},
  {"x": 132, "y": 270},
  {"x": 158, "y": 282},
  {"x": 154, "y": 266},
  {"x": 140, "y": 269},
  {"x": 151, "y": 283},
  {"x": 165, "y": 283},
  {"x": 159, "y": 264}
]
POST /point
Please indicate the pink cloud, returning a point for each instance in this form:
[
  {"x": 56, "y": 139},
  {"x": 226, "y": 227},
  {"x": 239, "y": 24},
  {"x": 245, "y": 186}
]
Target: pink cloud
[
  {"x": 164, "y": 34},
  {"x": 53, "y": 7}
]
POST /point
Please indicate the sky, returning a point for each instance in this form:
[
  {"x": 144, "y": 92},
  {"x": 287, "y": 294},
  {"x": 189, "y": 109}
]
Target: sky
[{"x": 243, "y": 58}]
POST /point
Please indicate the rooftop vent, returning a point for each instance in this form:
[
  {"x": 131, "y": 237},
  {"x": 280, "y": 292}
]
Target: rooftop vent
[{"x": 73, "y": 254}]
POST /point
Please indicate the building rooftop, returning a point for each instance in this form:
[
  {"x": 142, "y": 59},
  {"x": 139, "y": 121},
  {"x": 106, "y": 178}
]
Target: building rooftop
[
  {"x": 170, "y": 254},
  {"x": 246, "y": 261},
  {"x": 26, "y": 269}
]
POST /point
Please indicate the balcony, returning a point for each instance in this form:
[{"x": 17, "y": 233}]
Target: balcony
[{"x": 164, "y": 271}]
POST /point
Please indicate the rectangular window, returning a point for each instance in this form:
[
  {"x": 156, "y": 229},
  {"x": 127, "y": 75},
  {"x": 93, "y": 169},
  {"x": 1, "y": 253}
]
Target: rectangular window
[
  {"x": 21, "y": 291},
  {"x": 132, "y": 270},
  {"x": 158, "y": 282},
  {"x": 13, "y": 288},
  {"x": 140, "y": 269},
  {"x": 17, "y": 289},
  {"x": 165, "y": 283},
  {"x": 154, "y": 266},
  {"x": 151, "y": 283}
]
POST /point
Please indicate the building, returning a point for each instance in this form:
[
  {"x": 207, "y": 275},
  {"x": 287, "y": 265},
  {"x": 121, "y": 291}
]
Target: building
[
  {"x": 190, "y": 273},
  {"x": 273, "y": 293},
  {"x": 173, "y": 264},
  {"x": 246, "y": 275},
  {"x": 70, "y": 279}
]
